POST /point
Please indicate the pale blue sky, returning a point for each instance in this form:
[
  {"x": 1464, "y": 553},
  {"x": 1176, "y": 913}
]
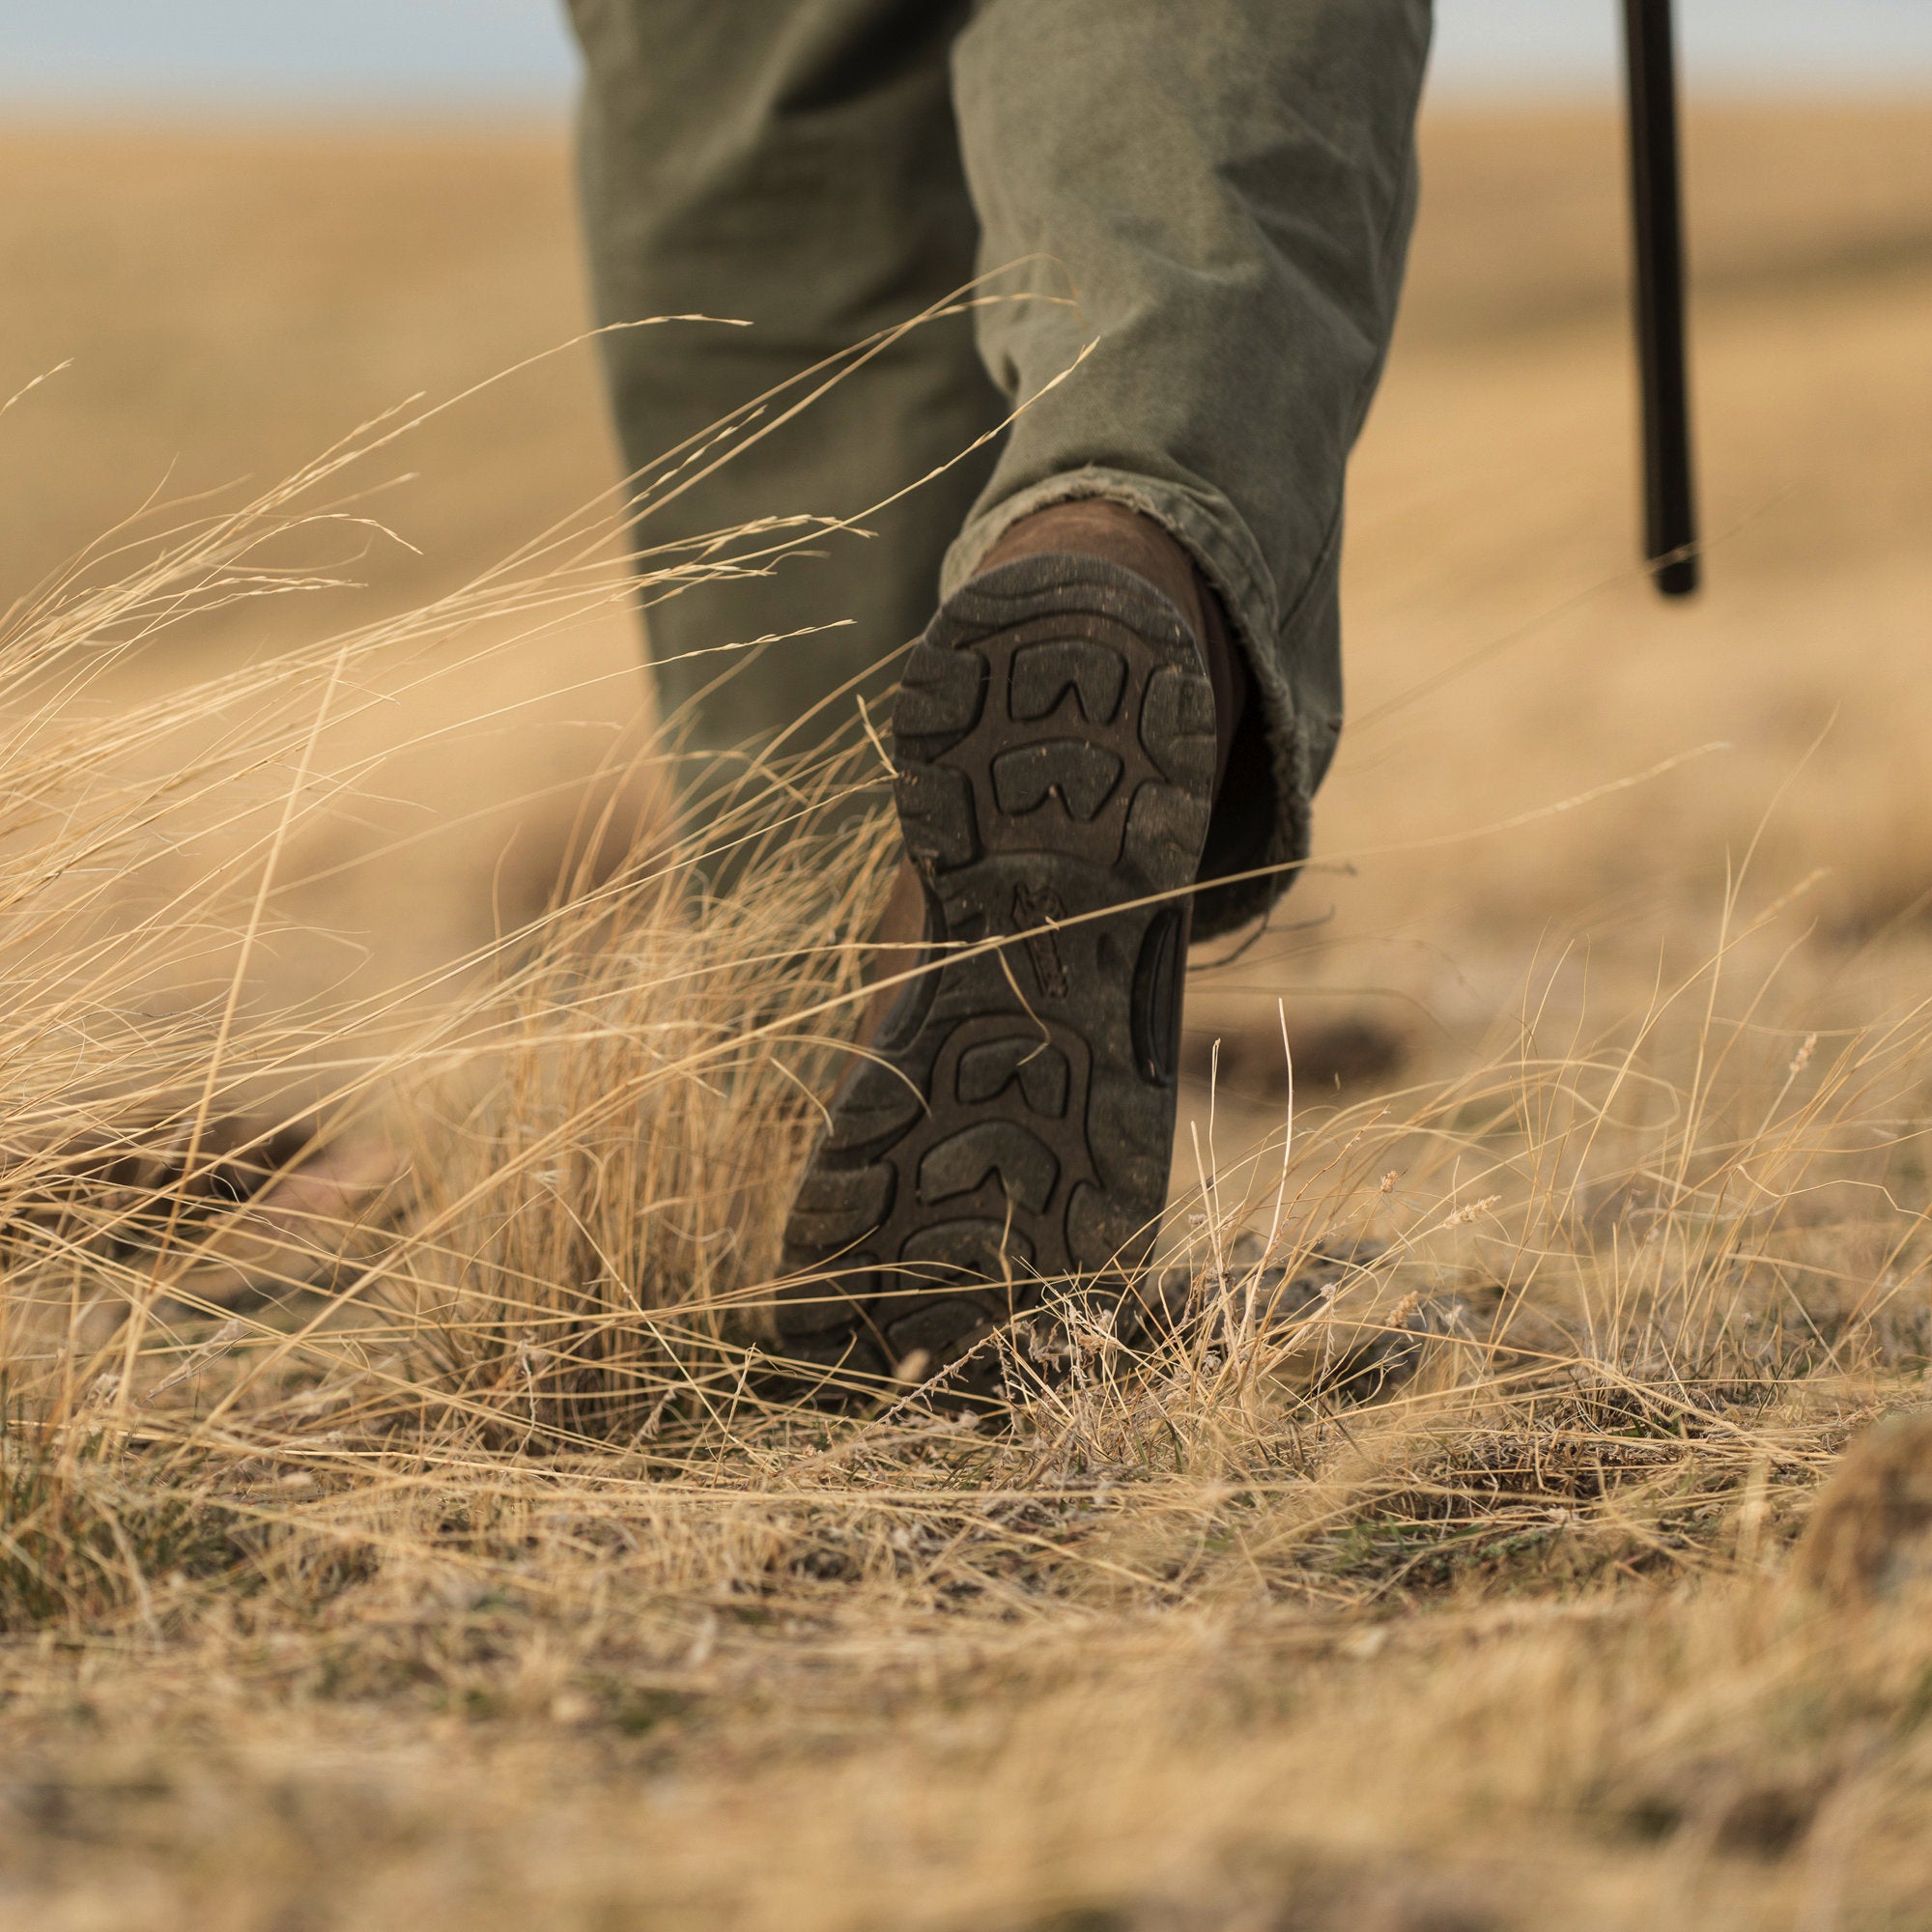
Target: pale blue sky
[{"x": 455, "y": 55}]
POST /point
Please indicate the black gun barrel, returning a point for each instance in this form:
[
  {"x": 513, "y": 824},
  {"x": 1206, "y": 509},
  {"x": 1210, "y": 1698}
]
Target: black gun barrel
[{"x": 1657, "y": 219}]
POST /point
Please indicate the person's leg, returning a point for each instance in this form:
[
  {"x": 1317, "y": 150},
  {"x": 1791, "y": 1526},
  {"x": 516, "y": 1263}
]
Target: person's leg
[
  {"x": 795, "y": 164},
  {"x": 1227, "y": 190}
]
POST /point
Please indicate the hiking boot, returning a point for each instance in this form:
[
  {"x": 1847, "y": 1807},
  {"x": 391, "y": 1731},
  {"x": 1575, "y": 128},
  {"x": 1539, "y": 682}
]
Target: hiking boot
[{"x": 1008, "y": 1134}]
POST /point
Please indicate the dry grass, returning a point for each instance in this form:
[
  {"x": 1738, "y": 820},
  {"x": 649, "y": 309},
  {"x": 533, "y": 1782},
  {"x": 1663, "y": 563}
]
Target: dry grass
[
  {"x": 406, "y": 1536},
  {"x": 1216, "y": 1634}
]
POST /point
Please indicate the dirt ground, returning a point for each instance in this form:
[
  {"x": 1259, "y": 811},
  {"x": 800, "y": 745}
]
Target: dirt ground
[{"x": 1555, "y": 795}]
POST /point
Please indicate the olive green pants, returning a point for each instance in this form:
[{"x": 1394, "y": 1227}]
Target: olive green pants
[{"x": 1192, "y": 215}]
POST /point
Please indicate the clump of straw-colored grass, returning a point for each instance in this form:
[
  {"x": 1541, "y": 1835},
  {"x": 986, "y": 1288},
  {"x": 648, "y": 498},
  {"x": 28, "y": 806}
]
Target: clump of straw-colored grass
[{"x": 596, "y": 1216}]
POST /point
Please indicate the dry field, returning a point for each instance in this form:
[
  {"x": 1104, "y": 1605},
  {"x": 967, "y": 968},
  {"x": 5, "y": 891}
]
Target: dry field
[{"x": 1529, "y": 1521}]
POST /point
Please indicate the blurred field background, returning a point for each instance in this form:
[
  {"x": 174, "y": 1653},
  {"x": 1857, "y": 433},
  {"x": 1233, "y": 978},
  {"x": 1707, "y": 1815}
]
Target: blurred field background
[
  {"x": 486, "y": 1690},
  {"x": 232, "y": 303}
]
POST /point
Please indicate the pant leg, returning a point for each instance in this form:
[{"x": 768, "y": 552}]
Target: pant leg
[
  {"x": 1227, "y": 187},
  {"x": 794, "y": 163}
]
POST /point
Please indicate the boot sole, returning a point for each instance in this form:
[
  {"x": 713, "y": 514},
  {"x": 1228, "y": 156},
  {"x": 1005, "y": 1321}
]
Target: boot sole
[{"x": 1054, "y": 742}]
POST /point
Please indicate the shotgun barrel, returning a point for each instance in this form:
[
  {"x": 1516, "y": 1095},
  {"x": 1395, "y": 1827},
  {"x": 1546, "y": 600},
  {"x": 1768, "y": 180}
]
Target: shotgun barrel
[{"x": 1657, "y": 221}]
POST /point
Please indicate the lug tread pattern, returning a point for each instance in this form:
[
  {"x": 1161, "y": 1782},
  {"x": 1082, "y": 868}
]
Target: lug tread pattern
[
  {"x": 940, "y": 697},
  {"x": 1042, "y": 675},
  {"x": 986, "y": 1071},
  {"x": 1081, "y": 776},
  {"x": 962, "y": 1163},
  {"x": 1055, "y": 748},
  {"x": 878, "y": 1105},
  {"x": 936, "y": 815}
]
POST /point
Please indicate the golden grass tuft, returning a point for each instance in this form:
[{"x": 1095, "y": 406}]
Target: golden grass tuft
[{"x": 593, "y": 1219}]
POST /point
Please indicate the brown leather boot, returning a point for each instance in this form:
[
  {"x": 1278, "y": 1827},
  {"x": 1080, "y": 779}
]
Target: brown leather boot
[
  {"x": 1058, "y": 738},
  {"x": 898, "y": 947}
]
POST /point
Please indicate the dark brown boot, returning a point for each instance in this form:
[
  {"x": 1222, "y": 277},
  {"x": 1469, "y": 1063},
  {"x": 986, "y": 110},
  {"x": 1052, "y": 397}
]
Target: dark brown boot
[{"x": 1058, "y": 739}]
